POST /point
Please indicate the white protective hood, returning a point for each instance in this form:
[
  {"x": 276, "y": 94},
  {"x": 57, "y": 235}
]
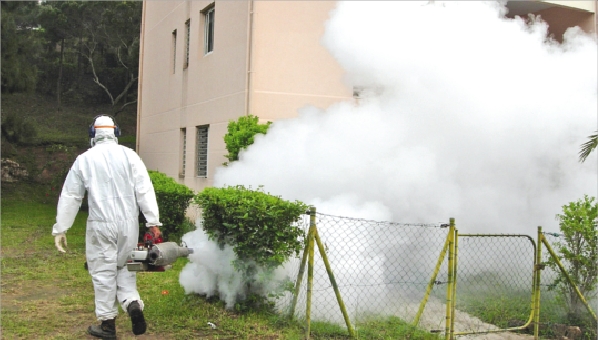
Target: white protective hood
[{"x": 104, "y": 130}]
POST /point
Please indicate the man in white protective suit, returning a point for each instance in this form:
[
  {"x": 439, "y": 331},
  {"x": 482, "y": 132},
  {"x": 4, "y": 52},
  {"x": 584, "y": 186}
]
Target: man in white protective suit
[{"x": 118, "y": 186}]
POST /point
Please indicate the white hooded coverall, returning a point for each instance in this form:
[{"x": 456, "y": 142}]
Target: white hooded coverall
[{"x": 118, "y": 185}]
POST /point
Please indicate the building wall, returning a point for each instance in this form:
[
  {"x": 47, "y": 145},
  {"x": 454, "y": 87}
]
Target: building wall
[
  {"x": 209, "y": 91},
  {"x": 290, "y": 67},
  {"x": 267, "y": 61}
]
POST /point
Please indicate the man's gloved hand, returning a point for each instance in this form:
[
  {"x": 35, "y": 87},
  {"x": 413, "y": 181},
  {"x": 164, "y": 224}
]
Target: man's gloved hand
[
  {"x": 155, "y": 230},
  {"x": 59, "y": 241}
]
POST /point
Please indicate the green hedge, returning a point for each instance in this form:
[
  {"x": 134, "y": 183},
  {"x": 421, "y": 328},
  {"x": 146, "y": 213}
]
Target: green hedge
[
  {"x": 173, "y": 200},
  {"x": 260, "y": 227}
]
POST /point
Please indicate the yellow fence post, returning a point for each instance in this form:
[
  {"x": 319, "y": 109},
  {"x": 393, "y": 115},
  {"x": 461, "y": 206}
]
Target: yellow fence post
[
  {"x": 300, "y": 276},
  {"x": 538, "y": 270},
  {"x": 339, "y": 299},
  {"x": 535, "y": 288},
  {"x": 308, "y": 256},
  {"x": 455, "y": 272},
  {"x": 310, "y": 268},
  {"x": 449, "y": 288},
  {"x": 432, "y": 281}
]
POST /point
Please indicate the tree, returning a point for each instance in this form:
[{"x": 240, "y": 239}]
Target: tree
[
  {"x": 116, "y": 32},
  {"x": 588, "y": 147},
  {"x": 21, "y": 46},
  {"x": 83, "y": 50},
  {"x": 62, "y": 68},
  {"x": 241, "y": 134},
  {"x": 106, "y": 35},
  {"x": 578, "y": 253}
]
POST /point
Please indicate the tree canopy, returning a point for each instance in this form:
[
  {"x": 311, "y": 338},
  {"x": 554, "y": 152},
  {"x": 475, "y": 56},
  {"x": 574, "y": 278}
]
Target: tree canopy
[
  {"x": 21, "y": 46},
  {"x": 81, "y": 51}
]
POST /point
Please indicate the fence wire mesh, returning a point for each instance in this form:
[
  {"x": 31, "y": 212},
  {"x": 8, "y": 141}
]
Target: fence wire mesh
[
  {"x": 384, "y": 269},
  {"x": 494, "y": 282},
  {"x": 381, "y": 269}
]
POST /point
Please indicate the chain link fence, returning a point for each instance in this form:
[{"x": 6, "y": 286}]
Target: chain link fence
[
  {"x": 384, "y": 269},
  {"x": 494, "y": 282},
  {"x": 380, "y": 268}
]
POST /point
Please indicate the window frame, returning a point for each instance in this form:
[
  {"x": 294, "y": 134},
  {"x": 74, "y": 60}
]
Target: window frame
[
  {"x": 187, "y": 42},
  {"x": 183, "y": 163},
  {"x": 173, "y": 46},
  {"x": 209, "y": 15},
  {"x": 201, "y": 145}
]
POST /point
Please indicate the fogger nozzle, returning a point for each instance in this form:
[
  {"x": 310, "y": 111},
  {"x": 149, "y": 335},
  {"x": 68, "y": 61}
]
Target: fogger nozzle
[{"x": 166, "y": 253}]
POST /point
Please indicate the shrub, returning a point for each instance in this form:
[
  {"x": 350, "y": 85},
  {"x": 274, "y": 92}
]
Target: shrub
[
  {"x": 260, "y": 227},
  {"x": 173, "y": 200},
  {"x": 241, "y": 134},
  {"x": 578, "y": 252},
  {"x": 17, "y": 129}
]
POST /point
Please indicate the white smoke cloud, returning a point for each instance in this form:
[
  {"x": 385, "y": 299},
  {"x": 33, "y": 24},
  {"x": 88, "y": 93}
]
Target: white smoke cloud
[
  {"x": 473, "y": 116},
  {"x": 210, "y": 272},
  {"x": 477, "y": 117}
]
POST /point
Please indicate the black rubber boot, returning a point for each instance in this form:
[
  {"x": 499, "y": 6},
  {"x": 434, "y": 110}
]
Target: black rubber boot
[
  {"x": 106, "y": 330},
  {"x": 137, "y": 319}
]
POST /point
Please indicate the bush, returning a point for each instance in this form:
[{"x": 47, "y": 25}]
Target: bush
[
  {"x": 262, "y": 231},
  {"x": 578, "y": 252},
  {"x": 241, "y": 134},
  {"x": 173, "y": 200},
  {"x": 260, "y": 227},
  {"x": 16, "y": 129}
]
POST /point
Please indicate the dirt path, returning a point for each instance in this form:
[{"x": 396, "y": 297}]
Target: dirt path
[
  {"x": 434, "y": 316},
  {"x": 497, "y": 336}
]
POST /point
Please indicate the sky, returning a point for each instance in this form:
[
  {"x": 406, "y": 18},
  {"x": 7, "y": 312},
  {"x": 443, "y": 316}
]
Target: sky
[{"x": 467, "y": 114}]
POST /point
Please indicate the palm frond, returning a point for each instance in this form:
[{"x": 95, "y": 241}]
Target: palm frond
[{"x": 588, "y": 147}]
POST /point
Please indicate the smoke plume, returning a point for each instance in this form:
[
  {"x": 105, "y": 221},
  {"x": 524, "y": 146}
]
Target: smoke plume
[
  {"x": 470, "y": 115},
  {"x": 464, "y": 113}
]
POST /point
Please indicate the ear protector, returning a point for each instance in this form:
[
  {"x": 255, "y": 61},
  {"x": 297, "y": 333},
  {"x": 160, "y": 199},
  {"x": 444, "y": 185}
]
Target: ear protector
[{"x": 92, "y": 128}]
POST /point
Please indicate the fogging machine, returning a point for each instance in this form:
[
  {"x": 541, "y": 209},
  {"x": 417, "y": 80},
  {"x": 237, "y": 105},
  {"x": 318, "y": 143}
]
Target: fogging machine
[{"x": 156, "y": 257}]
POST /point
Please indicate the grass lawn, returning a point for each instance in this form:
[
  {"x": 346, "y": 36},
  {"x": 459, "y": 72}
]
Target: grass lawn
[{"x": 49, "y": 295}]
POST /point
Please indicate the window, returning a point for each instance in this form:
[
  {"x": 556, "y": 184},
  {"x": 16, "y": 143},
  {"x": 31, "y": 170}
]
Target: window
[
  {"x": 187, "y": 40},
  {"x": 174, "y": 51},
  {"x": 202, "y": 151},
  {"x": 208, "y": 14},
  {"x": 183, "y": 152}
]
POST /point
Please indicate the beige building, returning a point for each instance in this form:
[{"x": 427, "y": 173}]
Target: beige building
[{"x": 204, "y": 63}]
